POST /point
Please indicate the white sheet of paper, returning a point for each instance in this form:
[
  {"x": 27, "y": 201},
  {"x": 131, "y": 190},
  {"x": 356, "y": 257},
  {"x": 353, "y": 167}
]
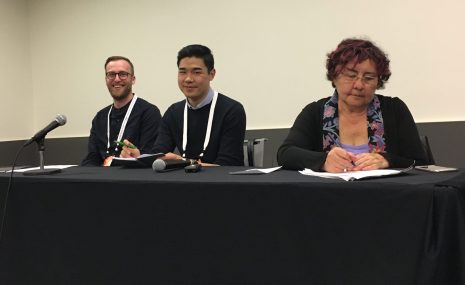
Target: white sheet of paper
[
  {"x": 125, "y": 158},
  {"x": 256, "y": 171},
  {"x": 265, "y": 170},
  {"x": 45, "y": 167},
  {"x": 351, "y": 175}
]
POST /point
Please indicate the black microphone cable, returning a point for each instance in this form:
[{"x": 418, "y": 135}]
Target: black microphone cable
[
  {"x": 59, "y": 120},
  {"x": 5, "y": 203}
]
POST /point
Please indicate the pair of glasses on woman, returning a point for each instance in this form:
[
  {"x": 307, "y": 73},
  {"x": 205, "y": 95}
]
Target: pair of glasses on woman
[{"x": 351, "y": 77}]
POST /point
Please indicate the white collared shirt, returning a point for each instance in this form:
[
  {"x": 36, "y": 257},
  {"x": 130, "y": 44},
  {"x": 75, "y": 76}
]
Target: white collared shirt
[{"x": 204, "y": 102}]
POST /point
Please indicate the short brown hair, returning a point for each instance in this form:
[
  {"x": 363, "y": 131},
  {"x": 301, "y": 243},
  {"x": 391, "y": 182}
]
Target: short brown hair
[{"x": 117, "y": 57}]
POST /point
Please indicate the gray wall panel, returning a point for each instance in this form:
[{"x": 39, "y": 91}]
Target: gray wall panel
[{"x": 447, "y": 140}]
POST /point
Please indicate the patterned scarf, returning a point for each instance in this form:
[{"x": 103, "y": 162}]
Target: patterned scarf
[{"x": 375, "y": 126}]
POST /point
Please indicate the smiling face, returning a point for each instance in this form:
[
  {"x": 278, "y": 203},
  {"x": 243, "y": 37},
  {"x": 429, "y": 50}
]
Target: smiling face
[
  {"x": 194, "y": 79},
  {"x": 356, "y": 84},
  {"x": 119, "y": 88}
]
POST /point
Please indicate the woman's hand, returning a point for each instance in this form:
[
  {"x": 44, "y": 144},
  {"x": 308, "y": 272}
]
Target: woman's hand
[
  {"x": 370, "y": 161},
  {"x": 339, "y": 160}
]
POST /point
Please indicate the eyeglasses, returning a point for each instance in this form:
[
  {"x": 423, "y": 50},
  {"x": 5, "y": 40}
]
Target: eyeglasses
[
  {"x": 351, "y": 77},
  {"x": 121, "y": 75}
]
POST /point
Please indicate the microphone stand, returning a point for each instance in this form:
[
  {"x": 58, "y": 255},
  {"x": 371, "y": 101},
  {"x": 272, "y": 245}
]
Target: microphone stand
[{"x": 41, "y": 170}]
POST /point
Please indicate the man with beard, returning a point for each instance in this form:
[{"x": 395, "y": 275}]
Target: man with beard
[{"x": 129, "y": 117}]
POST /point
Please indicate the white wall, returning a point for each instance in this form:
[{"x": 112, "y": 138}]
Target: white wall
[
  {"x": 16, "y": 101},
  {"x": 269, "y": 55}
]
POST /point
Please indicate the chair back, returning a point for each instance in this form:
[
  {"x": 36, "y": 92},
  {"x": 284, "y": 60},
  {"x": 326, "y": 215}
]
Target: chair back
[
  {"x": 427, "y": 149},
  {"x": 254, "y": 150}
]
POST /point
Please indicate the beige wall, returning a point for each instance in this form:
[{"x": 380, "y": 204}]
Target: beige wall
[
  {"x": 16, "y": 107},
  {"x": 269, "y": 55}
]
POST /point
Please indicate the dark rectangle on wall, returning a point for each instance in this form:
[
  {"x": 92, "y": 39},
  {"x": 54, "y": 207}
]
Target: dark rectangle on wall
[
  {"x": 10, "y": 150},
  {"x": 57, "y": 151},
  {"x": 447, "y": 140}
]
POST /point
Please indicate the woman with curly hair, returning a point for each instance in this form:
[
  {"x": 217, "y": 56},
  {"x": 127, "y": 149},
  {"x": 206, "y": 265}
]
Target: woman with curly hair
[{"x": 354, "y": 129}]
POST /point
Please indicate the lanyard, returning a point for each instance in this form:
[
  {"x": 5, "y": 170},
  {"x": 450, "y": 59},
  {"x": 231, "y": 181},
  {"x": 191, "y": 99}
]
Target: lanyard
[
  {"x": 123, "y": 125},
  {"x": 209, "y": 126}
]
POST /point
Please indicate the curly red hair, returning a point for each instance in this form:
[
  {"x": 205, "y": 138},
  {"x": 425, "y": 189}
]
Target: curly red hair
[{"x": 357, "y": 50}]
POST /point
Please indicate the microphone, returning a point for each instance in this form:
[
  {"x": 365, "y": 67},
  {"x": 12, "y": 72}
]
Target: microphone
[
  {"x": 60, "y": 120},
  {"x": 160, "y": 165}
]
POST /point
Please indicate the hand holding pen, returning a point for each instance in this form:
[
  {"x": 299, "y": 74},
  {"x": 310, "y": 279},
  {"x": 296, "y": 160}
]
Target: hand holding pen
[
  {"x": 125, "y": 143},
  {"x": 339, "y": 160},
  {"x": 129, "y": 149}
]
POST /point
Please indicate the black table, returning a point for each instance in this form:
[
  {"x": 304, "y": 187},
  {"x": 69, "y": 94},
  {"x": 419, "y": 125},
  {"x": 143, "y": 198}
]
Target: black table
[{"x": 134, "y": 226}]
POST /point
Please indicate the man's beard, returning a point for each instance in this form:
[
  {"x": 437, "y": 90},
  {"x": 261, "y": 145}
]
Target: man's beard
[{"x": 122, "y": 96}]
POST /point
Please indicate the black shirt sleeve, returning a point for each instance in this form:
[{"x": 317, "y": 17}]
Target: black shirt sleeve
[
  {"x": 94, "y": 156},
  {"x": 169, "y": 130},
  {"x": 230, "y": 149},
  {"x": 303, "y": 146},
  {"x": 403, "y": 145}
]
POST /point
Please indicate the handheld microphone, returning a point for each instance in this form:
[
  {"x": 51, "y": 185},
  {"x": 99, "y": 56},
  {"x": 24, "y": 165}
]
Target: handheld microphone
[
  {"x": 160, "y": 165},
  {"x": 60, "y": 120}
]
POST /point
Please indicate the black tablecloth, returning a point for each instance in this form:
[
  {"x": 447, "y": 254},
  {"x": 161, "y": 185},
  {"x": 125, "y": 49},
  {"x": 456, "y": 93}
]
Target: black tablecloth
[{"x": 134, "y": 226}]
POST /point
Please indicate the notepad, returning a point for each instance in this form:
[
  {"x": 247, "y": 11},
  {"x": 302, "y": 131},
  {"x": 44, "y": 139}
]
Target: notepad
[{"x": 355, "y": 175}]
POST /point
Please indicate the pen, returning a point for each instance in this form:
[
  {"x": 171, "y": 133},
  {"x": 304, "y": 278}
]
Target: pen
[
  {"x": 351, "y": 161},
  {"x": 353, "y": 165},
  {"x": 121, "y": 143}
]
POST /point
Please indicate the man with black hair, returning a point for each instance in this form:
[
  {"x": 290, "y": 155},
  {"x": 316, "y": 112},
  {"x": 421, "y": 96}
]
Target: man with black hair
[
  {"x": 207, "y": 126},
  {"x": 129, "y": 117}
]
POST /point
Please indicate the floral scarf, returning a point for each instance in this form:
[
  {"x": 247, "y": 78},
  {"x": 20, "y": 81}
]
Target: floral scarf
[{"x": 375, "y": 126}]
